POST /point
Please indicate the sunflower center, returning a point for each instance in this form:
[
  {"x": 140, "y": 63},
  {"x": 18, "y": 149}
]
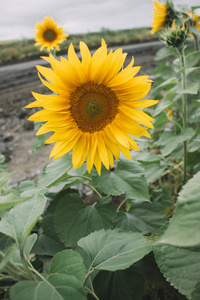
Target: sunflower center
[
  {"x": 49, "y": 35},
  {"x": 93, "y": 106}
]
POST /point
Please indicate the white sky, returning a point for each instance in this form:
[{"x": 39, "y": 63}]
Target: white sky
[{"x": 17, "y": 17}]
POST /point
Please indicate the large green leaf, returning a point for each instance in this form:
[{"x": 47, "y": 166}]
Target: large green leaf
[
  {"x": 9, "y": 201},
  {"x": 184, "y": 227},
  {"x": 124, "y": 284},
  {"x": 179, "y": 266},
  {"x": 168, "y": 141},
  {"x": 74, "y": 219},
  {"x": 142, "y": 217},
  {"x": 19, "y": 221},
  {"x": 65, "y": 281},
  {"x": 112, "y": 250},
  {"x": 128, "y": 178}
]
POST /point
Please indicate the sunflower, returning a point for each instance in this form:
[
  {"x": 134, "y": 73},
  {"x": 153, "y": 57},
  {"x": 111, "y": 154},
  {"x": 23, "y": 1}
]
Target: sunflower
[
  {"x": 48, "y": 35},
  {"x": 95, "y": 110},
  {"x": 194, "y": 21},
  {"x": 164, "y": 14},
  {"x": 160, "y": 16}
]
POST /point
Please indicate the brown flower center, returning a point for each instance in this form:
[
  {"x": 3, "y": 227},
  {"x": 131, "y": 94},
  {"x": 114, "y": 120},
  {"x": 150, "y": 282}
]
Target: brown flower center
[
  {"x": 49, "y": 35},
  {"x": 93, "y": 106}
]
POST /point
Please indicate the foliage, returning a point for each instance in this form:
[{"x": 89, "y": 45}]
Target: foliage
[{"x": 136, "y": 236}]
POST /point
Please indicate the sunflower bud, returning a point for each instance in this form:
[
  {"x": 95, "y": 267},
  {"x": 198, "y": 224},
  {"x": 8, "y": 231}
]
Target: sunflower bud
[{"x": 174, "y": 37}]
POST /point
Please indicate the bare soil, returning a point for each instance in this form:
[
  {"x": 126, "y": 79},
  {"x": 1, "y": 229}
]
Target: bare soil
[{"x": 17, "y": 134}]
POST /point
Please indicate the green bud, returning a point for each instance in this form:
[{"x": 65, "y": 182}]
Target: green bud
[{"x": 174, "y": 37}]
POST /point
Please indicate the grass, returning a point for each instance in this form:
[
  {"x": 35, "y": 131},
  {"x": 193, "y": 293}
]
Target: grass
[{"x": 25, "y": 49}]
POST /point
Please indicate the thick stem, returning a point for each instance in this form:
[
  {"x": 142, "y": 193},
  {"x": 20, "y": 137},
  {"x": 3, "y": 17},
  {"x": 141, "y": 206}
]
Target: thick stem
[{"x": 184, "y": 100}]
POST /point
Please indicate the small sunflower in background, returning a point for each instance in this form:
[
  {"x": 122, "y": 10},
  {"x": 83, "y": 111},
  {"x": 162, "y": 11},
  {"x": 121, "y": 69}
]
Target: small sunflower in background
[
  {"x": 96, "y": 109},
  {"x": 48, "y": 34},
  {"x": 194, "y": 22},
  {"x": 163, "y": 15}
]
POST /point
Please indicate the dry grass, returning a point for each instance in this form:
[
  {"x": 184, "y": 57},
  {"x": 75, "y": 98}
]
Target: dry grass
[{"x": 13, "y": 50}]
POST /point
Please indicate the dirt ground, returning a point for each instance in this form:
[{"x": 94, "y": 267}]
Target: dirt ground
[{"x": 17, "y": 134}]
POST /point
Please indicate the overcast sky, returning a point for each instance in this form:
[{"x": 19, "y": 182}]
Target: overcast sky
[{"x": 17, "y": 17}]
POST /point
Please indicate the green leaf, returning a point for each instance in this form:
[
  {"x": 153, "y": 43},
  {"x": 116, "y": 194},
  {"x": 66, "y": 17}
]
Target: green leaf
[
  {"x": 124, "y": 284},
  {"x": 162, "y": 106},
  {"x": 168, "y": 141},
  {"x": 5, "y": 242},
  {"x": 195, "y": 115},
  {"x": 4, "y": 177},
  {"x": 190, "y": 70},
  {"x": 30, "y": 241},
  {"x": 51, "y": 174},
  {"x": 65, "y": 281},
  {"x": 74, "y": 219},
  {"x": 112, "y": 250},
  {"x": 179, "y": 266},
  {"x": 196, "y": 292},
  {"x": 128, "y": 178},
  {"x": 160, "y": 120},
  {"x": 9, "y": 200},
  {"x": 182, "y": 230},
  {"x": 169, "y": 82},
  {"x": 142, "y": 217},
  {"x": 19, "y": 221},
  {"x": 192, "y": 89},
  {"x": 192, "y": 59},
  {"x": 163, "y": 53},
  {"x": 39, "y": 142}
]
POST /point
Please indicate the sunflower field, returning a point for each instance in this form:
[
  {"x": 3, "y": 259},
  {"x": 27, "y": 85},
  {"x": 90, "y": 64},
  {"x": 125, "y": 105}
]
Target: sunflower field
[{"x": 134, "y": 142}]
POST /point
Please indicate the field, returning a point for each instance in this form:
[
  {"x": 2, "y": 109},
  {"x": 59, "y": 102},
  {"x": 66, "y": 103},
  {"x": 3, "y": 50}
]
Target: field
[{"x": 25, "y": 49}]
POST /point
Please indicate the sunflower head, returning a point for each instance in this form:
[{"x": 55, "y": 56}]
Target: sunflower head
[
  {"x": 163, "y": 15},
  {"x": 95, "y": 110},
  {"x": 48, "y": 34}
]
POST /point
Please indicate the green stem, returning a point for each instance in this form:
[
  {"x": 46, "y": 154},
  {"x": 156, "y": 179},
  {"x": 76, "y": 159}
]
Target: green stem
[
  {"x": 95, "y": 190},
  {"x": 196, "y": 42},
  {"x": 13, "y": 270},
  {"x": 88, "y": 275},
  {"x": 92, "y": 293},
  {"x": 121, "y": 204},
  {"x": 27, "y": 270},
  {"x": 184, "y": 100}
]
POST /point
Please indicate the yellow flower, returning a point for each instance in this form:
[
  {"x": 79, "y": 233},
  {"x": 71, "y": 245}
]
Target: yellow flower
[
  {"x": 195, "y": 22},
  {"x": 160, "y": 16},
  {"x": 96, "y": 108},
  {"x": 169, "y": 112},
  {"x": 48, "y": 35}
]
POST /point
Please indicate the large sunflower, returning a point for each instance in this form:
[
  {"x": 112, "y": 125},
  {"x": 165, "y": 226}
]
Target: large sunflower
[
  {"x": 96, "y": 108},
  {"x": 48, "y": 34}
]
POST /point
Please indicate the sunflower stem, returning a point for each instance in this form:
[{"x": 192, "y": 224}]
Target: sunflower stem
[
  {"x": 196, "y": 38},
  {"x": 95, "y": 190},
  {"x": 184, "y": 103},
  {"x": 121, "y": 204}
]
